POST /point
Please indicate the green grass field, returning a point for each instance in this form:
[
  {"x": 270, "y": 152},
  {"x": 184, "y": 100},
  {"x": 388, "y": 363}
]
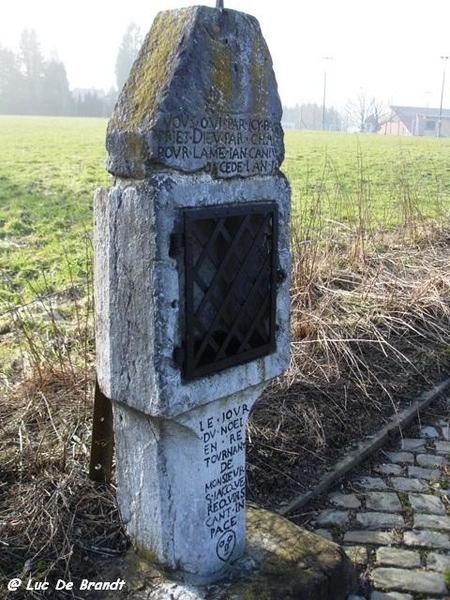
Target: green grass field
[
  {"x": 50, "y": 168},
  {"x": 370, "y": 180}
]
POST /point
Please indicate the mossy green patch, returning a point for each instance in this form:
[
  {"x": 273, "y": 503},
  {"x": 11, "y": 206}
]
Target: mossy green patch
[{"x": 152, "y": 70}]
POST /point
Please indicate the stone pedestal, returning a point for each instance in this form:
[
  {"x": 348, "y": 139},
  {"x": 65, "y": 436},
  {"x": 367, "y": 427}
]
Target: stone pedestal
[{"x": 182, "y": 484}]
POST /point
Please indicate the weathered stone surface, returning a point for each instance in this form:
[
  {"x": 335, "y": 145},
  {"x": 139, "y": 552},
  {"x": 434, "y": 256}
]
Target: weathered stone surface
[
  {"x": 401, "y": 457},
  {"x": 397, "y": 557},
  {"x": 428, "y": 431},
  {"x": 427, "y": 503},
  {"x": 325, "y": 533},
  {"x": 405, "y": 484},
  {"x": 390, "y": 596},
  {"x": 201, "y": 95},
  {"x": 308, "y": 566},
  {"x": 427, "y": 539},
  {"x": 441, "y": 523},
  {"x": 371, "y": 483},
  {"x": 442, "y": 447},
  {"x": 332, "y": 517},
  {"x": 369, "y": 537},
  {"x": 430, "y": 460},
  {"x": 438, "y": 562},
  {"x": 390, "y": 469},
  {"x": 446, "y": 431},
  {"x": 383, "y": 501},
  {"x": 196, "y": 521},
  {"x": 421, "y": 582},
  {"x": 140, "y": 298},
  {"x": 412, "y": 444},
  {"x": 421, "y": 473},
  {"x": 349, "y": 501},
  {"x": 357, "y": 554},
  {"x": 379, "y": 520},
  {"x": 281, "y": 561}
]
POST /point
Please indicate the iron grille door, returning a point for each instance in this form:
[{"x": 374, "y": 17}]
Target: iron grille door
[{"x": 231, "y": 276}]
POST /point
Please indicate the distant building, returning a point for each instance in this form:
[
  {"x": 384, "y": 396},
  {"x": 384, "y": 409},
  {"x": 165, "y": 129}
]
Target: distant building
[{"x": 413, "y": 120}]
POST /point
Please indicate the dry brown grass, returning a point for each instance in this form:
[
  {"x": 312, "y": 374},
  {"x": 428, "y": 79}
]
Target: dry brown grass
[
  {"x": 370, "y": 322},
  {"x": 53, "y": 520}
]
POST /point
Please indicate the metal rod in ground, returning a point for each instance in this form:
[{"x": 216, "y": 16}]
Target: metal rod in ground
[
  {"x": 102, "y": 445},
  {"x": 219, "y": 3}
]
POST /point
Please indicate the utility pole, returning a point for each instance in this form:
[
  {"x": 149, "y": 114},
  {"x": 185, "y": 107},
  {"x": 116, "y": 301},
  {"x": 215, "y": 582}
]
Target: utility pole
[
  {"x": 325, "y": 58},
  {"x": 444, "y": 58}
]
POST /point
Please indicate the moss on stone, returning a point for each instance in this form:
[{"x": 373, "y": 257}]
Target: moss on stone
[{"x": 151, "y": 72}]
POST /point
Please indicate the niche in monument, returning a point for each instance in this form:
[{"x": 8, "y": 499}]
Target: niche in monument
[{"x": 230, "y": 280}]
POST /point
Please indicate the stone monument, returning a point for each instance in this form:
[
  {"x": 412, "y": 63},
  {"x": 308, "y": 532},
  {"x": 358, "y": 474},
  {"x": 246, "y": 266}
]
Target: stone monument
[{"x": 191, "y": 280}]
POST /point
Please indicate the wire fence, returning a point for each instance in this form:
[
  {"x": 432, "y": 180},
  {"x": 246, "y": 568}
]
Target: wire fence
[{"x": 79, "y": 287}]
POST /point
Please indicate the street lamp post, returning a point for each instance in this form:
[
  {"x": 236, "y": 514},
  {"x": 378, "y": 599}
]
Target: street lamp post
[
  {"x": 325, "y": 58},
  {"x": 444, "y": 58}
]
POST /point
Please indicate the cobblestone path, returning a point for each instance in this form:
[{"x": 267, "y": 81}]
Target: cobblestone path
[{"x": 394, "y": 523}]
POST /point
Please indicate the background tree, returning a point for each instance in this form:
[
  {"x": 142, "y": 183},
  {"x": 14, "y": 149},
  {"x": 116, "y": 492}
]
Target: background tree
[
  {"x": 12, "y": 93},
  {"x": 367, "y": 114},
  {"x": 33, "y": 69},
  {"x": 56, "y": 98},
  {"x": 128, "y": 51}
]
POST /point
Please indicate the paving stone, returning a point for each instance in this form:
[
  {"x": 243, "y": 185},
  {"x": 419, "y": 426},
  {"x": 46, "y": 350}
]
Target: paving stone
[
  {"x": 401, "y": 457},
  {"x": 438, "y": 562},
  {"x": 412, "y": 444},
  {"x": 422, "y": 473},
  {"x": 377, "y": 538},
  {"x": 422, "y": 582},
  {"x": 345, "y": 500},
  {"x": 427, "y": 539},
  {"x": 332, "y": 517},
  {"x": 390, "y": 596},
  {"x": 442, "y": 447},
  {"x": 430, "y": 460},
  {"x": 357, "y": 554},
  {"x": 446, "y": 432},
  {"x": 426, "y": 503},
  {"x": 379, "y": 520},
  {"x": 432, "y": 522},
  {"x": 383, "y": 501},
  {"x": 405, "y": 484},
  {"x": 398, "y": 557},
  {"x": 428, "y": 431},
  {"x": 325, "y": 533},
  {"x": 390, "y": 469},
  {"x": 372, "y": 483}
]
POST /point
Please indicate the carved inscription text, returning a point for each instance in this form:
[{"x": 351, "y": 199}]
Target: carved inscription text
[
  {"x": 224, "y": 146},
  {"x": 224, "y": 455}
]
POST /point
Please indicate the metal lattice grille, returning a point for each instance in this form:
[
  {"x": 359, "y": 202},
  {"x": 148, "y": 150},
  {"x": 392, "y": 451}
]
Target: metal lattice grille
[{"x": 230, "y": 285}]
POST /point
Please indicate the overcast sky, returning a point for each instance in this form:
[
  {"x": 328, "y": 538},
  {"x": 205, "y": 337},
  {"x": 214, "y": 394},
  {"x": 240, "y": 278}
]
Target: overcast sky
[{"x": 389, "y": 49}]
